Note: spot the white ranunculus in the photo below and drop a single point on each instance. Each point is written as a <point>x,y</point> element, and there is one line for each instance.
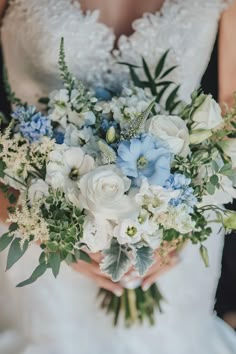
<point>208,115</point>
<point>128,231</point>
<point>224,195</point>
<point>65,167</point>
<point>97,234</point>
<point>102,192</point>
<point>37,190</point>
<point>173,130</point>
<point>229,147</point>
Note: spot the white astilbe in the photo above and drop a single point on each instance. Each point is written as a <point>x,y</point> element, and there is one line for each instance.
<point>39,153</point>
<point>30,222</point>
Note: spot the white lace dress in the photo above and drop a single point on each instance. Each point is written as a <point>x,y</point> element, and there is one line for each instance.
<point>61,316</point>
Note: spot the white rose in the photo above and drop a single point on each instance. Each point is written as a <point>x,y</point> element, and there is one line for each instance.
<point>102,192</point>
<point>37,190</point>
<point>65,167</point>
<point>229,147</point>
<point>97,234</point>
<point>206,117</point>
<point>128,231</point>
<point>151,233</point>
<point>173,130</point>
<point>224,195</point>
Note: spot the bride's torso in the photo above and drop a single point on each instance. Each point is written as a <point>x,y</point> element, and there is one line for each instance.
<point>31,34</point>
<point>32,30</point>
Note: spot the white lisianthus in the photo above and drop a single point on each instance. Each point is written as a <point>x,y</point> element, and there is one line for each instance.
<point>224,195</point>
<point>128,231</point>
<point>206,118</point>
<point>229,147</point>
<point>65,167</point>
<point>154,198</point>
<point>102,192</point>
<point>97,233</point>
<point>173,130</point>
<point>151,233</point>
<point>77,137</point>
<point>82,118</point>
<point>37,190</point>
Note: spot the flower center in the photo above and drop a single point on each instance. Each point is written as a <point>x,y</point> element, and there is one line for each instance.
<point>156,202</point>
<point>142,162</point>
<point>74,174</point>
<point>131,231</point>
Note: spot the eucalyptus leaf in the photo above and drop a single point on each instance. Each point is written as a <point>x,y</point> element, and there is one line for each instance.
<point>144,258</point>
<point>5,240</point>
<point>54,260</point>
<point>16,251</point>
<point>38,272</point>
<point>116,261</point>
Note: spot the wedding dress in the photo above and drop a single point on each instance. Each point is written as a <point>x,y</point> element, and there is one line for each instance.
<point>62,316</point>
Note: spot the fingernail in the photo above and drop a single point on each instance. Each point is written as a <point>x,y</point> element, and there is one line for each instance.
<point>145,287</point>
<point>118,292</point>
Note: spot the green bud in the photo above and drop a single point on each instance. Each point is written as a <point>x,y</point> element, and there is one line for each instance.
<point>111,135</point>
<point>204,255</point>
<point>230,221</point>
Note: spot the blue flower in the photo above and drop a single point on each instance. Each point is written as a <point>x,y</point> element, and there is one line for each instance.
<point>103,94</point>
<point>59,137</point>
<point>145,157</point>
<point>32,125</point>
<point>180,182</point>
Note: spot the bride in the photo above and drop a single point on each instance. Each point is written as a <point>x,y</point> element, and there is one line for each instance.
<point>61,316</point>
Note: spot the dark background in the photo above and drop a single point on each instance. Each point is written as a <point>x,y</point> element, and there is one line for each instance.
<point>226,292</point>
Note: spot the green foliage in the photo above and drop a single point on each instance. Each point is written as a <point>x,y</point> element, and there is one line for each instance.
<point>11,96</point>
<point>143,259</point>
<point>116,261</point>
<point>5,240</point>
<point>37,273</point>
<point>67,78</point>
<point>155,83</point>
<point>204,255</point>
<point>16,251</point>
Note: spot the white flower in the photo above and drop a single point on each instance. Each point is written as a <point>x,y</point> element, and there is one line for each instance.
<point>173,130</point>
<point>154,198</point>
<point>103,193</point>
<point>82,118</point>
<point>229,147</point>
<point>224,195</point>
<point>127,231</point>
<point>77,137</point>
<point>97,234</point>
<point>37,190</point>
<point>205,118</point>
<point>151,233</point>
<point>66,165</point>
<point>179,219</point>
<point>59,101</point>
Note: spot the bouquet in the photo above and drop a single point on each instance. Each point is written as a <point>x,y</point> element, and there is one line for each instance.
<point>126,173</point>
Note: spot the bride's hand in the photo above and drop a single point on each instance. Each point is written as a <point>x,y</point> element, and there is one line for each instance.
<point>159,267</point>
<point>92,271</point>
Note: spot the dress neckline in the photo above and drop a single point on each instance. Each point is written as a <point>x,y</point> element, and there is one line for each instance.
<point>116,40</point>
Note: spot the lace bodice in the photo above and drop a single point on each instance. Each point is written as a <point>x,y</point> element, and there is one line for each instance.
<point>32,30</point>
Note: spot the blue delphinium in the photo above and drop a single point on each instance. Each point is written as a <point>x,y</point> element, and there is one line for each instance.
<point>180,182</point>
<point>142,157</point>
<point>32,124</point>
<point>103,94</point>
<point>58,136</point>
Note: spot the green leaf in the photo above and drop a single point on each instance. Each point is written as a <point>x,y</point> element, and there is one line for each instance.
<point>54,260</point>
<point>83,256</point>
<point>168,71</point>
<point>52,245</point>
<point>116,261</point>
<point>204,255</point>
<point>13,227</point>
<point>12,198</point>
<point>210,188</point>
<point>2,168</point>
<point>144,258</point>
<point>161,64</point>
<point>129,65</point>
<point>215,166</point>
<point>38,272</point>
<point>171,99</point>
<point>16,251</point>
<point>214,180</point>
<point>149,77</point>
<point>5,240</point>
<point>137,82</point>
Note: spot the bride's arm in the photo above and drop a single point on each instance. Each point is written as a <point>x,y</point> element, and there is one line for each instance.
<point>3,4</point>
<point>227,55</point>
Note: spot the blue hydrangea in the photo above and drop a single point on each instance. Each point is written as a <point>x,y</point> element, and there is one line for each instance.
<point>32,125</point>
<point>180,182</point>
<point>106,124</point>
<point>103,94</point>
<point>142,157</point>
<point>59,137</point>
